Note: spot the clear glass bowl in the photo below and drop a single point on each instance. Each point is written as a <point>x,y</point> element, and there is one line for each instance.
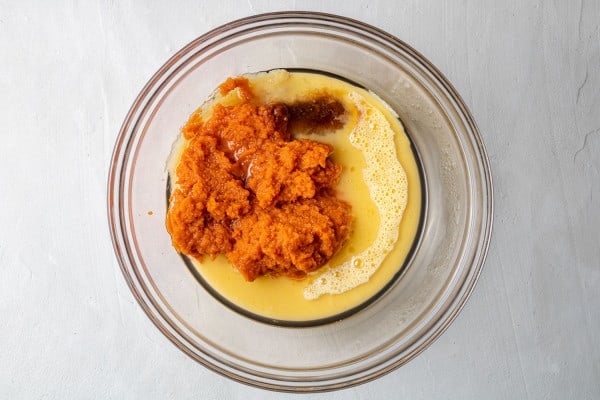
<point>438,278</point>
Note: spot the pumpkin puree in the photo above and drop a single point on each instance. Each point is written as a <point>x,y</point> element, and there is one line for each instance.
<point>247,189</point>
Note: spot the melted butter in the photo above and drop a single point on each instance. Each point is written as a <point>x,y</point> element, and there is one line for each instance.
<point>386,206</point>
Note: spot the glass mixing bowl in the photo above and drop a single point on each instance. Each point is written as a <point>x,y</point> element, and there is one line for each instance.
<point>436,280</point>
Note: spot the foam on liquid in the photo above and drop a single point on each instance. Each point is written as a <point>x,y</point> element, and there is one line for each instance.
<point>374,137</point>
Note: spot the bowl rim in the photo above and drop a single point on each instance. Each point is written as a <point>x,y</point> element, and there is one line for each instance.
<point>121,154</point>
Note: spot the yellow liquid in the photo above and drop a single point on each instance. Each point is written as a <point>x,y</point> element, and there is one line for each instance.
<point>283,298</point>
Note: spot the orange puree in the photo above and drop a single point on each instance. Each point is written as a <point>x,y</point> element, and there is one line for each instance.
<point>239,82</point>
<point>245,188</point>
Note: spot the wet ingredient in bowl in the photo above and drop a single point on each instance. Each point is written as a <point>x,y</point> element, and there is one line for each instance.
<point>247,189</point>
<point>368,142</point>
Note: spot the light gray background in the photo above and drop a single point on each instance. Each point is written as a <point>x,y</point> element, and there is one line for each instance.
<point>530,73</point>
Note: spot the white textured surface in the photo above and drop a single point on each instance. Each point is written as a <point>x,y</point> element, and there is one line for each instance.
<point>530,73</point>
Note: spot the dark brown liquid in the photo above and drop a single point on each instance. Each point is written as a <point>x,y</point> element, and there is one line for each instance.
<point>318,115</point>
